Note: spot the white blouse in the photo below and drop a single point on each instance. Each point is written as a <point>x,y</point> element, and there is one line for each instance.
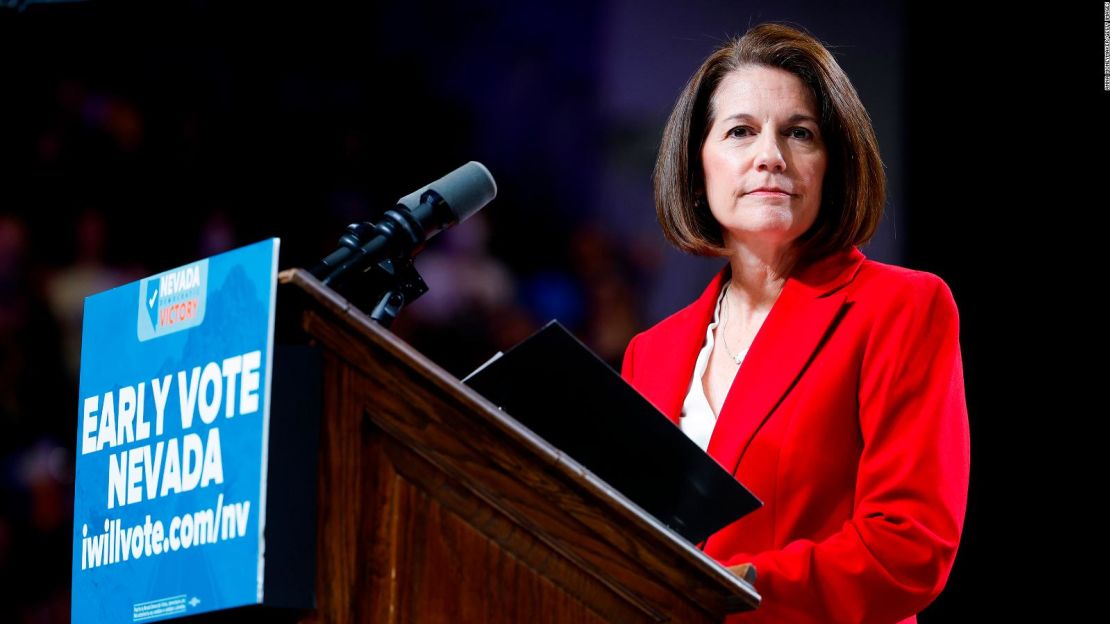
<point>698,418</point>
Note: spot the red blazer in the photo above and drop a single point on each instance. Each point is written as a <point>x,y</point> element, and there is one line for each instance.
<point>848,420</point>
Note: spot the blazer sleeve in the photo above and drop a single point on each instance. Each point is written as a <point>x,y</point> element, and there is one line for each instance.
<point>894,555</point>
<point>626,365</point>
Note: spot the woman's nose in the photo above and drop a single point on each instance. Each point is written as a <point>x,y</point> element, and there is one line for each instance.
<point>768,153</point>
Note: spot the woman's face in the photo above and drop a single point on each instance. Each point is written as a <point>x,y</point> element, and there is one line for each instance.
<point>765,134</point>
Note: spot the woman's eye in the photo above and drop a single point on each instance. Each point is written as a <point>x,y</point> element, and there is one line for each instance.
<point>796,133</point>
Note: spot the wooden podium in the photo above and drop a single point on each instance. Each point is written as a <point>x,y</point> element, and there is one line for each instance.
<point>435,506</point>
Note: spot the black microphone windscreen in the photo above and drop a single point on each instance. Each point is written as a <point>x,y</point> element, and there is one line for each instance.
<point>466,190</point>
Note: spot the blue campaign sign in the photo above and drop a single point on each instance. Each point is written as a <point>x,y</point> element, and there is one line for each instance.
<point>173,421</point>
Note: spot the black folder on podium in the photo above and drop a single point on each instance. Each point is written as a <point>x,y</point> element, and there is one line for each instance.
<point>558,388</point>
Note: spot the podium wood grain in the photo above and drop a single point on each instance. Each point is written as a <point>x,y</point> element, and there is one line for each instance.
<point>434,506</point>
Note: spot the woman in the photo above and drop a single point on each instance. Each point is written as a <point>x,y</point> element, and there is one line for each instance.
<point>829,384</point>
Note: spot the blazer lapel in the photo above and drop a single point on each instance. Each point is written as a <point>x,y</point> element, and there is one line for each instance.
<point>671,379</point>
<point>805,312</point>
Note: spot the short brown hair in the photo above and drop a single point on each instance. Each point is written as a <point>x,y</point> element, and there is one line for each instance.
<point>854,187</point>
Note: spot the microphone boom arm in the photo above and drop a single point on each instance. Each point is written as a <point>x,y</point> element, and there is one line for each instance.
<point>373,265</point>
<point>382,252</point>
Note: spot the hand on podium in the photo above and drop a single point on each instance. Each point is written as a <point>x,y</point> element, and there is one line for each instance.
<point>745,571</point>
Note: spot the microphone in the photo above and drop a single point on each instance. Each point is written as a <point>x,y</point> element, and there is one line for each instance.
<point>403,231</point>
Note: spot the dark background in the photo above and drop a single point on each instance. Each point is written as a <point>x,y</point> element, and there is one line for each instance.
<point>137,138</point>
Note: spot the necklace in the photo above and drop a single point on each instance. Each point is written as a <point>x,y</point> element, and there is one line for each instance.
<point>740,356</point>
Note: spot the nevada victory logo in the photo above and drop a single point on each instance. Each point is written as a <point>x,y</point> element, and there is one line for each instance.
<point>173,301</point>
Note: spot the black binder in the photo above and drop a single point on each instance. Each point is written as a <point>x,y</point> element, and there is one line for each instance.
<point>558,388</point>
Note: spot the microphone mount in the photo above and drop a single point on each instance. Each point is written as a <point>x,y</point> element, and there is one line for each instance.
<point>373,265</point>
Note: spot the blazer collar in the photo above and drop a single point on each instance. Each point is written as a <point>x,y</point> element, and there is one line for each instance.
<point>805,312</point>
